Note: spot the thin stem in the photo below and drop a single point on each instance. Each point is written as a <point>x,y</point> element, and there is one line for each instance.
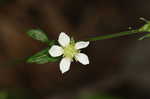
<point>113,35</point>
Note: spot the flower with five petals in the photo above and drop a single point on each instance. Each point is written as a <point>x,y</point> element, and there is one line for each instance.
<point>69,50</point>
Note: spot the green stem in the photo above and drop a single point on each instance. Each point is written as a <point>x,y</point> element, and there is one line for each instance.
<point>113,35</point>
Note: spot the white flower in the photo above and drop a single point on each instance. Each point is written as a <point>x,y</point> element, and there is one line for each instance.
<point>70,50</point>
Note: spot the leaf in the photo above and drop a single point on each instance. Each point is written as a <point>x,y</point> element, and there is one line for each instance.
<point>38,35</point>
<point>144,37</point>
<point>42,57</point>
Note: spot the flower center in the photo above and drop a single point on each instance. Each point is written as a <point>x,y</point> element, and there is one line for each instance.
<point>70,51</point>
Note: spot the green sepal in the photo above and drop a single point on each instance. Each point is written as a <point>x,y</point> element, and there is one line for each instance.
<point>42,57</point>
<point>144,37</point>
<point>145,27</point>
<point>52,42</point>
<point>38,35</point>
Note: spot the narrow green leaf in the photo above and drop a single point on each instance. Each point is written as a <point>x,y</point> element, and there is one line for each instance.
<point>42,57</point>
<point>38,35</point>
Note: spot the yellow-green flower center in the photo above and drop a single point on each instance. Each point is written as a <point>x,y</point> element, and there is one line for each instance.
<point>70,51</point>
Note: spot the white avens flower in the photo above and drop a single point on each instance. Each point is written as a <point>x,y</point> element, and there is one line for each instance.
<point>70,50</point>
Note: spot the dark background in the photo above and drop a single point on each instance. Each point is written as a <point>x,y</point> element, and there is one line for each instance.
<point>118,68</point>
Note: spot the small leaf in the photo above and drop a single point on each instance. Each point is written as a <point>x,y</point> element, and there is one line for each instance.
<point>42,57</point>
<point>144,37</point>
<point>38,35</point>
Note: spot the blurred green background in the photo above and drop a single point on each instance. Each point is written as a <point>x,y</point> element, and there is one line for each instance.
<point>119,68</point>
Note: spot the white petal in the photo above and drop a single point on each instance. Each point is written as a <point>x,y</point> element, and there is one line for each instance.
<point>63,39</point>
<point>82,58</point>
<point>56,51</point>
<point>65,65</point>
<point>81,44</point>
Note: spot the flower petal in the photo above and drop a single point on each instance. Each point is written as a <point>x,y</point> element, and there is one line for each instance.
<point>63,39</point>
<point>56,51</point>
<point>65,65</point>
<point>82,58</point>
<point>81,44</point>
